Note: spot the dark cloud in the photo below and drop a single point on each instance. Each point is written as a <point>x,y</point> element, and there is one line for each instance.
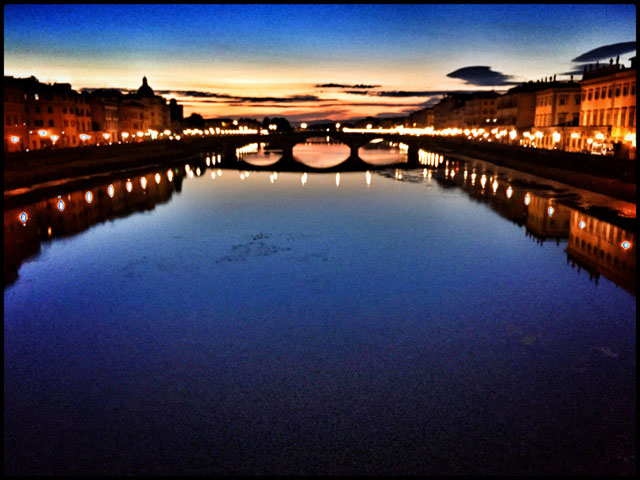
<point>339,85</point>
<point>289,99</point>
<point>482,76</point>
<point>606,52</point>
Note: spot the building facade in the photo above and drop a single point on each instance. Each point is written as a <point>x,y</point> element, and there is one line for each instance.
<point>39,115</point>
<point>608,109</point>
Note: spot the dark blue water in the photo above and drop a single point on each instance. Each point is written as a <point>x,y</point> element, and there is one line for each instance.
<point>394,321</point>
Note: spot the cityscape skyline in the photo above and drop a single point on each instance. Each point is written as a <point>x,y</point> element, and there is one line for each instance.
<point>311,62</point>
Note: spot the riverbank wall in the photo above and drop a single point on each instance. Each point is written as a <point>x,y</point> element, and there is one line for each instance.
<point>25,169</point>
<point>610,176</point>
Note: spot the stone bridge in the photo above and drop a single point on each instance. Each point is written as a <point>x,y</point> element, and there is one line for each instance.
<point>228,144</point>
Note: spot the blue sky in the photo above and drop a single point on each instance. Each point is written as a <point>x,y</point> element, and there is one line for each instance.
<point>266,60</point>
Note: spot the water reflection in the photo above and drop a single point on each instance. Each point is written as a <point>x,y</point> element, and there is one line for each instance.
<point>600,246</point>
<point>26,227</point>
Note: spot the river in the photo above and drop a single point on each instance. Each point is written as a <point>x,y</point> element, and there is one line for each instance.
<point>457,318</point>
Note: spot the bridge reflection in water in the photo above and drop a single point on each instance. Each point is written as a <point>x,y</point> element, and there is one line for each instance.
<point>601,243</point>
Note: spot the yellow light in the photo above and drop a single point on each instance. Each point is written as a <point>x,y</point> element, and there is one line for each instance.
<point>110,191</point>
<point>589,141</point>
<point>84,137</point>
<point>304,178</point>
<point>129,186</point>
<point>61,205</point>
<point>140,134</point>
<point>42,133</point>
<point>494,185</point>
<point>527,199</point>
<point>582,224</point>
<point>157,177</point>
<point>15,139</point>
<point>513,134</point>
<point>509,191</point>
<point>626,245</point>
<point>483,180</point>
<point>337,179</point>
<point>170,175</point>
<point>106,136</point>
<point>550,211</point>
<point>556,137</point>
<point>599,136</point>
<point>369,126</point>
<point>303,125</point>
<point>23,217</point>
<point>539,135</point>
<point>575,135</point>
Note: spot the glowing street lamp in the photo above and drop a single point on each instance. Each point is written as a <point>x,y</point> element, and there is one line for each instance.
<point>106,136</point>
<point>15,139</point>
<point>125,135</point>
<point>42,133</point>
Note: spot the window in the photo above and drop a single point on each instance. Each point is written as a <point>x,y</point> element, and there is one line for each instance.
<point>38,123</point>
<point>632,116</point>
<point>596,95</point>
<point>584,95</point>
<point>577,99</point>
<point>562,100</point>
<point>616,118</point>
<point>623,116</point>
<point>51,123</point>
<point>625,89</point>
<point>64,109</point>
<point>633,89</point>
<point>590,94</point>
<point>608,118</point>
<point>601,117</point>
<point>49,110</point>
<point>37,109</point>
<point>610,94</point>
<point>617,90</point>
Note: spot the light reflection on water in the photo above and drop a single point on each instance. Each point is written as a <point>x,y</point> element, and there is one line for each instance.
<point>386,321</point>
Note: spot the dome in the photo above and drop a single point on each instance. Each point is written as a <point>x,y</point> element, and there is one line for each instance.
<point>145,90</point>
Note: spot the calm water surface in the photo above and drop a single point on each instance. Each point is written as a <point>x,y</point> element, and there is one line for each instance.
<point>457,318</point>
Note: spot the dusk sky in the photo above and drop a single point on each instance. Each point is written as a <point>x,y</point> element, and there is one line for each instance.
<point>309,62</point>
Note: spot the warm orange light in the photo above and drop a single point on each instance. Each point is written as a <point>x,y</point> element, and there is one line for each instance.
<point>626,245</point>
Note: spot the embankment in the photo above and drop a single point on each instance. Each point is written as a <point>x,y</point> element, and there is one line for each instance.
<point>610,176</point>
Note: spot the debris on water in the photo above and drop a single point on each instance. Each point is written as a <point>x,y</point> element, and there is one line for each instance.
<point>607,351</point>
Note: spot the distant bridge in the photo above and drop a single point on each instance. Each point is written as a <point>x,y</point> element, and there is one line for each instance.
<point>228,144</point>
